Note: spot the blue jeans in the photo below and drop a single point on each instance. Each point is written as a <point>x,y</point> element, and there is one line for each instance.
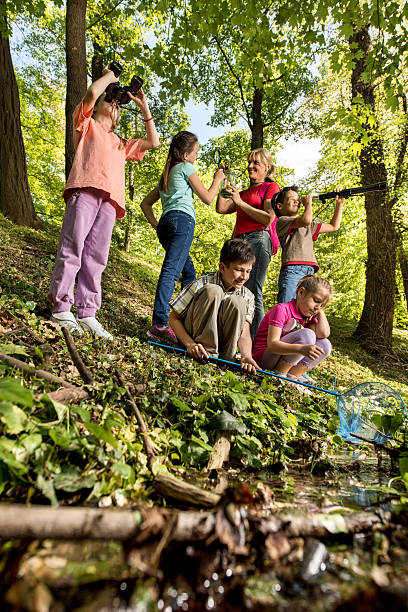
<point>261,244</point>
<point>289,277</point>
<point>175,233</point>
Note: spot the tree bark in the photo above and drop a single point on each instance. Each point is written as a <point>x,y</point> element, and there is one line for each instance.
<point>75,53</point>
<point>257,123</point>
<point>15,197</point>
<point>97,62</point>
<point>403,262</point>
<point>374,330</point>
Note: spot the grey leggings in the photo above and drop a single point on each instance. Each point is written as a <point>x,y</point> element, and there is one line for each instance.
<point>299,336</point>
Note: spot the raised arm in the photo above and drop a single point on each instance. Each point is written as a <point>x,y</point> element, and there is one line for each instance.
<point>97,88</point>
<point>334,224</point>
<point>307,217</point>
<point>147,207</point>
<point>151,140</point>
<point>206,195</point>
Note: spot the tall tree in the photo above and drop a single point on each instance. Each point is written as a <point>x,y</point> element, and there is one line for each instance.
<point>374,329</point>
<point>15,197</point>
<point>75,50</point>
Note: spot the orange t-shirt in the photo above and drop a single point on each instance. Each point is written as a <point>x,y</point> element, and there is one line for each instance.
<point>100,159</point>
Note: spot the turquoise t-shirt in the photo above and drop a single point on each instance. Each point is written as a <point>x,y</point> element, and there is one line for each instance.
<point>179,194</point>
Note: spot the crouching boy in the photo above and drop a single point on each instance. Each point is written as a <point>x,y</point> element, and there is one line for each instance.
<point>212,315</point>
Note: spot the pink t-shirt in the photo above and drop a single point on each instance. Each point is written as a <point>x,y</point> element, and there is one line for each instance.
<point>287,317</point>
<point>100,159</point>
<point>252,197</point>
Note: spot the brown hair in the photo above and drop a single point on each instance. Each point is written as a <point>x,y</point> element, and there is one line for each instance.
<point>236,249</point>
<point>264,156</point>
<point>182,143</point>
<point>311,283</point>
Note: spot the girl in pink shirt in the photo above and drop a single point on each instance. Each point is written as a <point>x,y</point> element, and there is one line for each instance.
<point>95,197</point>
<point>293,336</point>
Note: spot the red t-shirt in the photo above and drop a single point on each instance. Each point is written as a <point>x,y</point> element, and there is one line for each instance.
<point>252,197</point>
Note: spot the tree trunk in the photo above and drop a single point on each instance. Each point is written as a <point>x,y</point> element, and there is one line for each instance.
<point>257,123</point>
<point>15,197</point>
<point>403,262</point>
<point>75,53</point>
<point>374,330</point>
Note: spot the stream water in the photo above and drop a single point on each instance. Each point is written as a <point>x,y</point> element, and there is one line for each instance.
<point>344,573</point>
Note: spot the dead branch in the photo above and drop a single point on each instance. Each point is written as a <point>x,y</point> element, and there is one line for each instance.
<point>67,395</point>
<point>33,372</point>
<point>76,358</point>
<point>150,451</point>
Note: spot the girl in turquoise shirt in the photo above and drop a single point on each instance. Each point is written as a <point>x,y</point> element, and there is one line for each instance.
<point>175,229</point>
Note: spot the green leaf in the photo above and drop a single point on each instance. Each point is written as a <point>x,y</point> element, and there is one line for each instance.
<point>61,437</point>
<point>47,488</point>
<point>12,391</point>
<point>13,417</point>
<point>31,442</point>
<point>201,443</point>
<point>72,480</point>
<point>226,422</point>
<point>124,470</point>
<point>13,349</point>
<point>102,434</point>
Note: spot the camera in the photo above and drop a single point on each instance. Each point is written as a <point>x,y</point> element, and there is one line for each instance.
<point>115,91</point>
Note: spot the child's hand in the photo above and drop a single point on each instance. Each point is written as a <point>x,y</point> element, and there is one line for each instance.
<point>197,351</point>
<point>312,351</point>
<point>107,70</point>
<point>219,175</point>
<point>339,200</point>
<point>307,200</point>
<point>249,365</point>
<point>139,98</point>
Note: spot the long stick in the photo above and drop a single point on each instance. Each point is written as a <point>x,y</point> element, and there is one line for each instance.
<point>236,365</point>
<point>76,358</point>
<point>141,422</point>
<point>32,372</point>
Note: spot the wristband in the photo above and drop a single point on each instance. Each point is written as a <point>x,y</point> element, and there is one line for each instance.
<point>149,119</point>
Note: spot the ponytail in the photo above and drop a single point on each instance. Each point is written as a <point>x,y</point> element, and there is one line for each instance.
<point>182,143</point>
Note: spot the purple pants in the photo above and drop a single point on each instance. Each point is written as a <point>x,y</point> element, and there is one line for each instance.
<point>83,252</point>
<point>299,336</point>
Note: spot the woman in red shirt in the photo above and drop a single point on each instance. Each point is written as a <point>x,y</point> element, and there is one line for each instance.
<point>254,216</point>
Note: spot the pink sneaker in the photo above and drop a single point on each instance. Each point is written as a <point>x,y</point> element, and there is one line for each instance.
<point>162,333</point>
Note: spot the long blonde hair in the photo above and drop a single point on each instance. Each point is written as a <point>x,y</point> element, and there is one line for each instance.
<point>265,157</point>
<point>182,143</point>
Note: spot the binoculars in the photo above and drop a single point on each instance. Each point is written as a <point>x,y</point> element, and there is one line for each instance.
<point>115,91</point>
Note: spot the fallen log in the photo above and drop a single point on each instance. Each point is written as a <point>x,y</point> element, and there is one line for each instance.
<point>170,486</point>
<point>33,372</point>
<point>18,521</point>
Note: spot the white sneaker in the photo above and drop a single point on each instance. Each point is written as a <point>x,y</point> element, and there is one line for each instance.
<point>92,325</point>
<point>67,319</point>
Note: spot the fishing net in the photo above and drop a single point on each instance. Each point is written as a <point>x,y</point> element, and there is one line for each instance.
<point>371,410</point>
